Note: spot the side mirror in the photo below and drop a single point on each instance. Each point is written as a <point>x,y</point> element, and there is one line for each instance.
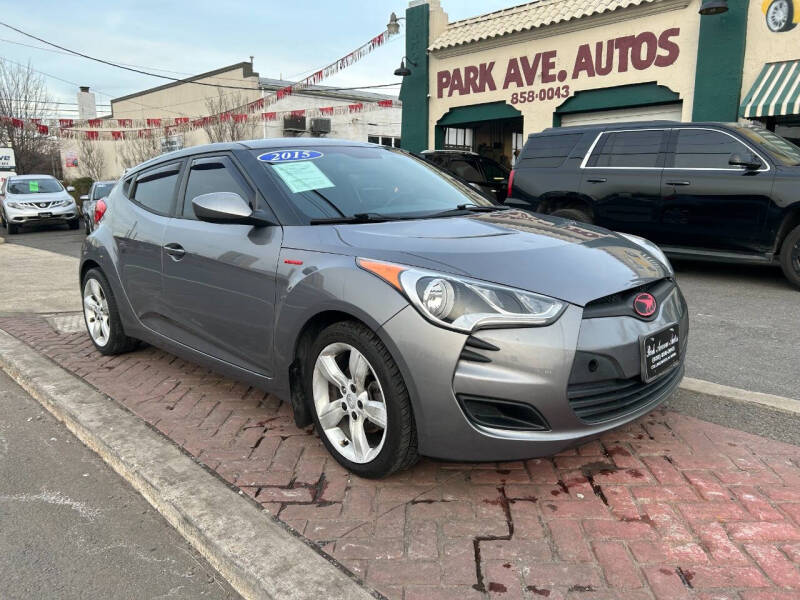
<point>226,207</point>
<point>749,161</point>
<point>70,188</point>
<point>84,198</point>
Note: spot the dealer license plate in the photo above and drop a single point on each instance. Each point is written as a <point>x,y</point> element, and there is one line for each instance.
<point>660,352</point>
<point>45,214</point>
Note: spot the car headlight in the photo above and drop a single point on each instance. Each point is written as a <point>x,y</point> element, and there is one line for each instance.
<point>466,304</point>
<point>13,205</point>
<point>63,202</point>
<point>651,248</point>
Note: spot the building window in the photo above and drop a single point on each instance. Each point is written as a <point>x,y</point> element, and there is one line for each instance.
<point>457,139</point>
<point>384,140</point>
<point>517,143</point>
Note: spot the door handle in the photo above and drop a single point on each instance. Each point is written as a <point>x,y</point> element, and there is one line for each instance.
<point>679,183</point>
<point>175,251</point>
<point>597,180</point>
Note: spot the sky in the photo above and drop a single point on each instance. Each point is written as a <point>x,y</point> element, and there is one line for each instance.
<point>180,38</point>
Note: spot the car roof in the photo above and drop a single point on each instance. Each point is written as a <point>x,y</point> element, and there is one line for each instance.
<point>263,144</point>
<point>31,176</point>
<point>630,125</point>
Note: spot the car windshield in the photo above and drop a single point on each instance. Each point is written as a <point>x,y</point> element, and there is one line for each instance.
<point>101,190</point>
<point>34,186</point>
<point>782,150</point>
<point>343,181</point>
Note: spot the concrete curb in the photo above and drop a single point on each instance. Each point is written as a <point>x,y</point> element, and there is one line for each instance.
<point>733,394</point>
<point>258,556</point>
<point>773,417</point>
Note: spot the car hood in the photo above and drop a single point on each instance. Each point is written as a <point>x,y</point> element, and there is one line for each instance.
<point>556,257</point>
<point>49,197</point>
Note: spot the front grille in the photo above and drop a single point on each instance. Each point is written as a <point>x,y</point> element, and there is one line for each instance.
<point>611,399</point>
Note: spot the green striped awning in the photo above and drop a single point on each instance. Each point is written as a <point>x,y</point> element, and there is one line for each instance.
<point>776,91</point>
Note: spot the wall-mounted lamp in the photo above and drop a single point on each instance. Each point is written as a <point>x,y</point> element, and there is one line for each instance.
<point>713,7</point>
<point>403,70</point>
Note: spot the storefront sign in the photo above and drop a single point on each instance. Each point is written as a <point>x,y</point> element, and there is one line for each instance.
<point>618,55</point>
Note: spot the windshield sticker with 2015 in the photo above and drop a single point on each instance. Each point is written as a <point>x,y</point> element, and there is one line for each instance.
<point>289,155</point>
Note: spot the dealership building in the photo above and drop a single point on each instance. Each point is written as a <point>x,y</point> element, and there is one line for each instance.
<point>485,83</point>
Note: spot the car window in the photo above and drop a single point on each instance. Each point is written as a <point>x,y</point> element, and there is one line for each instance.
<point>706,149</point>
<point>466,169</point>
<point>631,149</point>
<point>101,190</point>
<point>336,181</point>
<point>214,174</point>
<point>548,151</point>
<point>493,171</point>
<point>155,190</point>
<point>780,148</point>
<point>45,185</point>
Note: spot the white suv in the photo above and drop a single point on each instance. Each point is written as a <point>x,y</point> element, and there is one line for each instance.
<point>27,199</point>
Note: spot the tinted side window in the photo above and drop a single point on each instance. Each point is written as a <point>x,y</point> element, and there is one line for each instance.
<point>706,149</point>
<point>155,189</point>
<point>493,171</point>
<point>549,151</point>
<point>208,175</point>
<point>466,169</point>
<point>628,149</point>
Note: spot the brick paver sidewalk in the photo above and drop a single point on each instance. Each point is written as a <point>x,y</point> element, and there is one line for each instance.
<point>668,507</point>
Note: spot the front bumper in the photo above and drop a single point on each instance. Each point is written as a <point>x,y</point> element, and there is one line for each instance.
<point>25,216</point>
<point>545,368</point>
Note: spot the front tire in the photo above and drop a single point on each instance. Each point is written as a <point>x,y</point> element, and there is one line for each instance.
<point>780,16</point>
<point>790,257</point>
<point>359,401</point>
<point>101,316</point>
<point>11,228</point>
<point>74,223</point>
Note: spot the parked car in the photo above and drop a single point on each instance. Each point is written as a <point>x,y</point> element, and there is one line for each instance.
<point>29,199</point>
<point>99,189</point>
<point>712,191</point>
<point>484,174</point>
<point>781,15</point>
<point>395,308</point>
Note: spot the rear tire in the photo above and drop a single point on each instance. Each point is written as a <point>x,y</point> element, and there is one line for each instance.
<point>86,226</point>
<point>101,315</point>
<point>573,214</point>
<point>790,257</point>
<point>380,450</point>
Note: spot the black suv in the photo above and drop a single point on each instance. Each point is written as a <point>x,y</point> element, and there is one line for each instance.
<point>718,191</point>
<point>482,173</point>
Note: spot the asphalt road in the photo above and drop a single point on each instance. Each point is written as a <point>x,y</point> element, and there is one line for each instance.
<point>745,320</point>
<point>71,528</point>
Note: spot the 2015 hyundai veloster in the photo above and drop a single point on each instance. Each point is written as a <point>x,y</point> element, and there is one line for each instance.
<point>394,307</point>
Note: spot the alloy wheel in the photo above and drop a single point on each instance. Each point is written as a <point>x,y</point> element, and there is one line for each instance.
<point>95,310</point>
<point>778,14</point>
<point>349,402</point>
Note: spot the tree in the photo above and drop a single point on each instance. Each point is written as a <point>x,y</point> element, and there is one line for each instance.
<point>229,129</point>
<point>91,159</point>
<point>23,95</point>
<point>135,150</point>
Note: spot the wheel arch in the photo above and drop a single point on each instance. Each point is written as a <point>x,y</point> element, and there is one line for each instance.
<point>553,201</point>
<point>790,221</point>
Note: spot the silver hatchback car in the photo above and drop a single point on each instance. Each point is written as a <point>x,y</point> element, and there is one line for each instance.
<point>394,307</point>
<point>31,199</point>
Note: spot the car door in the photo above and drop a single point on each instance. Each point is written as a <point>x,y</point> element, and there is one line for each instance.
<point>139,227</point>
<point>621,173</point>
<point>708,203</point>
<point>219,279</point>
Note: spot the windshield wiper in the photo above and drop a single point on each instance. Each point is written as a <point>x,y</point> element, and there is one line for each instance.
<point>356,218</point>
<point>466,208</point>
